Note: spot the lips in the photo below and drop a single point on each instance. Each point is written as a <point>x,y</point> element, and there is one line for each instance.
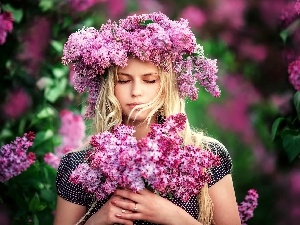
<point>134,104</point>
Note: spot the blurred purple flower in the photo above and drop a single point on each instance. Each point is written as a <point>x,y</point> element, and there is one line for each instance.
<point>297,6</point>
<point>282,101</point>
<point>247,207</point>
<point>194,15</point>
<point>13,158</point>
<point>83,5</point>
<point>148,6</point>
<point>294,74</point>
<point>16,104</point>
<point>115,8</point>
<point>35,41</point>
<point>288,15</point>
<point>255,52</point>
<point>52,160</point>
<point>230,12</point>
<point>6,25</point>
<point>72,130</point>
<point>270,17</point>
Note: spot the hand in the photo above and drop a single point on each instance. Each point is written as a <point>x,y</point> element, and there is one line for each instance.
<point>147,206</point>
<point>106,215</point>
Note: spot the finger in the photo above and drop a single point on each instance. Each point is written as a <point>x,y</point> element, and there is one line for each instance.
<point>130,217</point>
<point>131,207</point>
<point>135,197</point>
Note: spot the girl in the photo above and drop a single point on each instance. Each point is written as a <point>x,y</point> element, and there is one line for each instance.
<point>137,72</point>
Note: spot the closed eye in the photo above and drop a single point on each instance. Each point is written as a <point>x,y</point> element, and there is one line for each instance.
<point>123,81</point>
<point>150,81</point>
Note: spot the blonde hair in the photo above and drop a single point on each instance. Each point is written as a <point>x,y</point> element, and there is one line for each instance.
<point>109,114</point>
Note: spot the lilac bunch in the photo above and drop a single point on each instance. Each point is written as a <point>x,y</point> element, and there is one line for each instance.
<point>13,158</point>
<point>109,164</point>
<point>247,207</point>
<point>159,161</point>
<point>149,37</point>
<point>169,166</point>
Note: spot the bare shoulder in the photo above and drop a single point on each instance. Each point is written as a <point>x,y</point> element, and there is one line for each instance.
<point>68,213</point>
<point>225,206</point>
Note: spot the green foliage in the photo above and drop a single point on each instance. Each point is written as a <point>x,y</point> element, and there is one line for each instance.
<point>286,130</point>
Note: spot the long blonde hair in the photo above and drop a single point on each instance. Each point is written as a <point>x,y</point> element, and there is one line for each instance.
<point>109,114</point>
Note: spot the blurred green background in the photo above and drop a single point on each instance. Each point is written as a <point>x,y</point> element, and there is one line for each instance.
<point>256,117</point>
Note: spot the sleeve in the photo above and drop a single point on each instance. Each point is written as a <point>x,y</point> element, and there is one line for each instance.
<point>65,189</point>
<point>225,167</point>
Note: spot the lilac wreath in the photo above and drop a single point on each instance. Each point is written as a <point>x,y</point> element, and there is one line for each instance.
<point>149,37</point>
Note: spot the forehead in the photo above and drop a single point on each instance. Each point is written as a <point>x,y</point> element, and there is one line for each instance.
<point>137,66</point>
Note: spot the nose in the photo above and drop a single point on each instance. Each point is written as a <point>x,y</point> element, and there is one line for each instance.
<point>136,89</point>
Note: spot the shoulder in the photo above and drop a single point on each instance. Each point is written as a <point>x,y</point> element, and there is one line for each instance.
<point>72,159</point>
<point>225,167</point>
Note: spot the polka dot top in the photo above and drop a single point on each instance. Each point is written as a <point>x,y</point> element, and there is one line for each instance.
<point>75,194</point>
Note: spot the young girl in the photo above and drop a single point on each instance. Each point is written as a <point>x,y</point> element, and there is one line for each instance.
<point>138,72</point>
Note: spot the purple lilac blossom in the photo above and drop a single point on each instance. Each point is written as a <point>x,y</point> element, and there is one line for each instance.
<point>247,207</point>
<point>288,15</point>
<point>294,74</point>
<point>160,160</point>
<point>149,37</point>
<point>13,158</point>
<point>6,25</point>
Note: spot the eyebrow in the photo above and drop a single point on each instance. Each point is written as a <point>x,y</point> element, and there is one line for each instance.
<point>144,75</point>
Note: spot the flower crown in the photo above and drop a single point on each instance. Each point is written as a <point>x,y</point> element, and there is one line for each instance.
<point>149,37</point>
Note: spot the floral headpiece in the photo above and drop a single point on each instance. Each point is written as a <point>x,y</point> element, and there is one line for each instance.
<point>149,37</point>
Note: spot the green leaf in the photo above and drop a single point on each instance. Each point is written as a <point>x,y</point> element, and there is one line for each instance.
<point>146,22</point>
<point>34,202</point>
<point>57,46</point>
<point>46,5</point>
<point>275,127</point>
<point>297,102</point>
<point>45,113</point>
<point>42,136</point>
<point>17,13</point>
<point>60,72</point>
<point>291,143</point>
<point>57,90</point>
<point>35,220</point>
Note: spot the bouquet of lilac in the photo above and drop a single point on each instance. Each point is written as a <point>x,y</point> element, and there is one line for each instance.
<point>159,161</point>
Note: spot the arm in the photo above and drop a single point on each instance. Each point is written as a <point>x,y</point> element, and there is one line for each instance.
<point>68,213</point>
<point>224,200</point>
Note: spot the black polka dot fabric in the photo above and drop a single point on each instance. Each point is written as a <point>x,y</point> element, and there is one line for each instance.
<point>75,193</point>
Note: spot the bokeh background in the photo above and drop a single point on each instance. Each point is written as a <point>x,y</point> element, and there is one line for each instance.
<point>257,44</point>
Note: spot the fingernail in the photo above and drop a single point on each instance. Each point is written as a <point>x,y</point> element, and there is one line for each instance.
<point>118,215</point>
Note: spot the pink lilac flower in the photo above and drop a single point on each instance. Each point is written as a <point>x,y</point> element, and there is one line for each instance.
<point>194,15</point>
<point>294,74</point>
<point>246,208</point>
<point>52,160</point>
<point>16,104</point>
<point>150,37</point>
<point>13,157</point>
<point>34,46</point>
<point>72,131</point>
<point>270,17</point>
<point>6,25</point>
<point>160,161</point>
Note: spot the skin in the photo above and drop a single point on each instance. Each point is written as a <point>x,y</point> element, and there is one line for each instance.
<point>138,83</point>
